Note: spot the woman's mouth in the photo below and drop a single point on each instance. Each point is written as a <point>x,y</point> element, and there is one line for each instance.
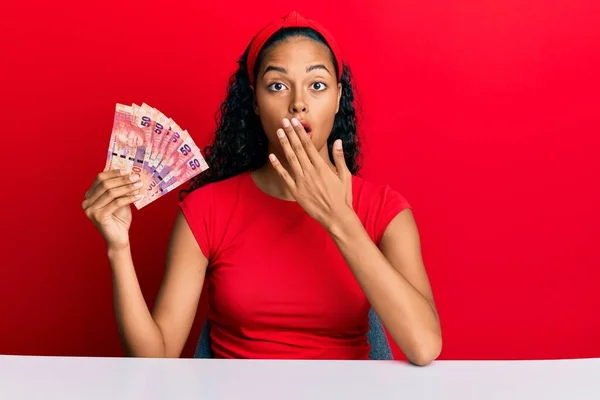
<point>306,126</point>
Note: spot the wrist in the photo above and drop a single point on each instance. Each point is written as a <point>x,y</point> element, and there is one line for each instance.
<point>341,223</point>
<point>118,252</point>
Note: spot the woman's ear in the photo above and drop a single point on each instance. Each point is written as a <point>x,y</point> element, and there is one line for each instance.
<point>254,103</point>
<point>339,86</point>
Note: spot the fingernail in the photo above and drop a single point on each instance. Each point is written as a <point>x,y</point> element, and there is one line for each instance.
<point>272,157</point>
<point>134,177</point>
<point>295,122</point>
<point>338,144</point>
<point>137,185</point>
<point>123,172</point>
<point>139,197</point>
<point>280,133</point>
<point>286,122</point>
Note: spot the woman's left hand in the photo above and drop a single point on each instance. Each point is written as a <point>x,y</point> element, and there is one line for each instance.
<point>324,194</point>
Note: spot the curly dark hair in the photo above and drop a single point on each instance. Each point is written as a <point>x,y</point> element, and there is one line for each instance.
<point>240,143</point>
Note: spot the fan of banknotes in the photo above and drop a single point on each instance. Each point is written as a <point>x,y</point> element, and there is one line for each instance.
<point>147,143</point>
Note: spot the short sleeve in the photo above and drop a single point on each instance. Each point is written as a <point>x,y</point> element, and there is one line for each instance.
<point>198,209</point>
<point>389,204</point>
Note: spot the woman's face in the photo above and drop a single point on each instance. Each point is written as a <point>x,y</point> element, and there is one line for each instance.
<point>296,79</point>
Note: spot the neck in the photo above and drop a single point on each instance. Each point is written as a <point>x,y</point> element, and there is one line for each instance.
<point>269,181</point>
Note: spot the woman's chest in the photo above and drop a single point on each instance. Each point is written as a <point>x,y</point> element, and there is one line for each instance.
<point>284,273</point>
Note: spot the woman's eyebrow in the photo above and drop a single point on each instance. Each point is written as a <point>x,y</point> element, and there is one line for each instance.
<point>284,71</point>
<point>317,66</point>
<point>274,68</point>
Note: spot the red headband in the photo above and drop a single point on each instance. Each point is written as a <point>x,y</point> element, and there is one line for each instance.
<point>292,20</point>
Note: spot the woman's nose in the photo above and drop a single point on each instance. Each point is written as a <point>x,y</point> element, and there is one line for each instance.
<point>297,109</point>
<point>298,106</point>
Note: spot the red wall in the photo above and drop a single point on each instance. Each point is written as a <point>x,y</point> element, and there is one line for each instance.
<point>486,117</point>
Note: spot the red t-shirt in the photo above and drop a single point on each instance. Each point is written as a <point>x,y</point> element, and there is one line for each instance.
<point>278,287</point>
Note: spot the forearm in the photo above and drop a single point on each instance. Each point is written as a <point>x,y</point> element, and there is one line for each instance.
<point>140,335</point>
<point>408,316</point>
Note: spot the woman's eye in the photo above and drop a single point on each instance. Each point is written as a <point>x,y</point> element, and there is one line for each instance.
<point>319,86</point>
<point>276,86</point>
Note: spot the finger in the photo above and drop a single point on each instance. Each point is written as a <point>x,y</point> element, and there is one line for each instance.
<point>292,131</point>
<point>113,189</point>
<point>115,193</point>
<point>282,172</point>
<point>109,183</point>
<point>340,160</point>
<point>307,144</point>
<point>114,205</point>
<point>290,154</point>
<point>105,175</point>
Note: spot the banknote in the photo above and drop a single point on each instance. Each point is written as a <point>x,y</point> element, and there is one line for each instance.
<point>187,160</point>
<point>143,121</point>
<point>180,147</point>
<point>172,129</point>
<point>168,159</point>
<point>146,142</point>
<point>185,168</point>
<point>160,128</point>
<point>126,141</point>
<point>161,151</point>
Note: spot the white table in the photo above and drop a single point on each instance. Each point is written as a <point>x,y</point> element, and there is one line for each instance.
<point>23,377</point>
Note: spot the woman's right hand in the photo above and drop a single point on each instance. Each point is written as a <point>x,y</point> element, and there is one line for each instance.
<point>107,204</point>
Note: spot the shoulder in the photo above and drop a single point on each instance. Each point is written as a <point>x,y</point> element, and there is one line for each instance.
<point>208,204</point>
<point>206,211</point>
<point>213,192</point>
<point>367,193</point>
<point>376,205</point>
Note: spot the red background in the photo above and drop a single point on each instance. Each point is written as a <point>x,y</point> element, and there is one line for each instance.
<point>485,115</point>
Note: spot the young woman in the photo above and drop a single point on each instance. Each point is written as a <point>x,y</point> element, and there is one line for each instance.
<point>296,248</point>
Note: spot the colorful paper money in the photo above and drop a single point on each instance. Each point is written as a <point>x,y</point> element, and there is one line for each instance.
<point>146,142</point>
